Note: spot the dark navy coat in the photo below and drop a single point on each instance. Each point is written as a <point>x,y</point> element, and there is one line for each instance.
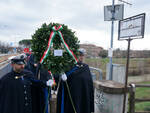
<point>21,93</point>
<point>81,88</point>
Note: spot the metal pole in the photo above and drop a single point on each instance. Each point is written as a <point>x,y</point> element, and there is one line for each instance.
<point>111,44</point>
<point>126,79</point>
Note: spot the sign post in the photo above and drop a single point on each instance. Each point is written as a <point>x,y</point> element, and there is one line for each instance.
<point>129,29</point>
<point>112,13</point>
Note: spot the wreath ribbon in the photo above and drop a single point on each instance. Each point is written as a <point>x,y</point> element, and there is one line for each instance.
<point>57,30</point>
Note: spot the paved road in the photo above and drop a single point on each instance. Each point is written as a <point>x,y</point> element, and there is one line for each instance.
<point>5,69</point>
<point>3,54</point>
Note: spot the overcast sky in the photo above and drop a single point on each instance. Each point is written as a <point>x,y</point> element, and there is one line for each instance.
<point>20,18</point>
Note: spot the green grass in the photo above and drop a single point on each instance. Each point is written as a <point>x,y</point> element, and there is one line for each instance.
<point>137,66</point>
<point>143,106</point>
<point>142,93</point>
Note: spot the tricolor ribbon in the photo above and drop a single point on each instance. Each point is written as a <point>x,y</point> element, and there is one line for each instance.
<point>50,41</point>
<point>52,77</point>
<point>52,35</point>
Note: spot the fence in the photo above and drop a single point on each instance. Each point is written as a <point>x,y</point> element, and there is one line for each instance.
<point>134,100</point>
<point>96,73</point>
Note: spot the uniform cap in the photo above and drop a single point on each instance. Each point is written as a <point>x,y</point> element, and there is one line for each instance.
<point>82,51</point>
<point>18,59</point>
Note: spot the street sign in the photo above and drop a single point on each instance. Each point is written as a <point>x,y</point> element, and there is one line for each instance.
<point>118,12</point>
<point>132,27</point>
<point>129,29</point>
<point>110,52</point>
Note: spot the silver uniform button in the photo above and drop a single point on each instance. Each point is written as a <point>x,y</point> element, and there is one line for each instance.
<point>24,86</point>
<point>26,98</point>
<point>26,104</point>
<point>25,92</point>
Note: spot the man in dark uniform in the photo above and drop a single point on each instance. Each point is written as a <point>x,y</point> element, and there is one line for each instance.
<point>20,92</point>
<point>31,64</point>
<point>81,90</point>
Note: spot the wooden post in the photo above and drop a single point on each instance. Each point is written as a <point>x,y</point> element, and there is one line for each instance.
<point>126,78</point>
